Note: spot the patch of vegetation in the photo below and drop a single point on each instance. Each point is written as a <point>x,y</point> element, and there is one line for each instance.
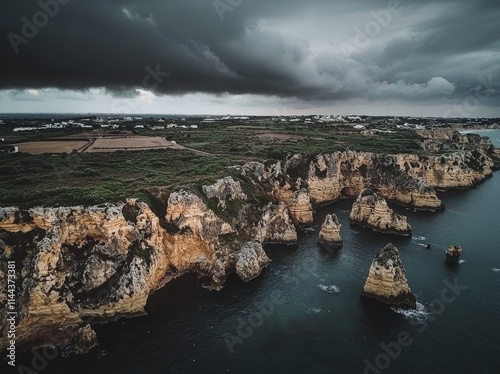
<point>96,178</point>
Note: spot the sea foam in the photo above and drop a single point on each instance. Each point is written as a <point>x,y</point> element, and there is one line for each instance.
<point>419,314</point>
<point>329,289</point>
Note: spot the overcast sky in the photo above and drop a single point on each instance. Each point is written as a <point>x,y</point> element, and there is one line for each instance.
<point>277,57</point>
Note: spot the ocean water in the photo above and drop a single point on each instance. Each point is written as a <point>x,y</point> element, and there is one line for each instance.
<point>307,315</point>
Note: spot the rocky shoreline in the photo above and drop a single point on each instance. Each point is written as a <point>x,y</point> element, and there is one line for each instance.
<point>80,265</point>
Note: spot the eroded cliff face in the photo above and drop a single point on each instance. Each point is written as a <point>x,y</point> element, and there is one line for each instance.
<point>301,209</point>
<point>406,178</point>
<point>447,139</point>
<point>371,211</point>
<point>81,265</point>
<point>250,261</point>
<point>276,226</point>
<point>455,170</point>
<point>67,260</point>
<point>386,279</point>
<point>329,235</point>
<point>329,177</point>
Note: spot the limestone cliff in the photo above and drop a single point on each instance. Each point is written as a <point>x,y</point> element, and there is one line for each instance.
<point>301,209</point>
<point>386,279</point>
<point>68,261</point>
<point>250,261</point>
<point>81,265</point>
<point>276,226</point>
<point>329,235</point>
<point>455,170</point>
<point>329,177</point>
<point>371,211</point>
<point>405,178</point>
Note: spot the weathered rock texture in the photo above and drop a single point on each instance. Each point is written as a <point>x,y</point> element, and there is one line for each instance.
<point>453,253</point>
<point>81,265</point>
<point>301,209</point>
<point>386,280</point>
<point>408,179</point>
<point>276,226</point>
<point>329,235</point>
<point>371,211</point>
<point>250,261</point>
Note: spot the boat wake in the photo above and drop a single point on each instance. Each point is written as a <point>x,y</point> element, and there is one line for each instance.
<point>419,238</point>
<point>495,270</point>
<point>329,289</point>
<point>420,244</point>
<point>420,314</point>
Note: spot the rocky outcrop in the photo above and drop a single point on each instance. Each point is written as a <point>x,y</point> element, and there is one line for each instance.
<point>276,226</point>
<point>329,177</point>
<point>447,139</point>
<point>408,179</point>
<point>455,170</point>
<point>250,261</point>
<point>301,209</point>
<point>329,235</point>
<point>77,266</point>
<point>453,253</point>
<point>223,189</point>
<point>386,279</point>
<point>52,249</point>
<point>371,211</point>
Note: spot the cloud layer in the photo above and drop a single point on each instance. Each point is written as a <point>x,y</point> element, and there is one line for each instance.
<point>320,52</point>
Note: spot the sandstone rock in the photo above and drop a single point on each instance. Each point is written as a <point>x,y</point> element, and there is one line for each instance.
<point>301,209</point>
<point>223,189</point>
<point>85,340</point>
<point>453,253</point>
<point>329,235</point>
<point>329,177</point>
<point>250,261</point>
<point>371,211</point>
<point>276,226</point>
<point>406,178</point>
<point>386,279</point>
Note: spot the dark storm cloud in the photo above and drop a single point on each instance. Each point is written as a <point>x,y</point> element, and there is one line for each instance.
<point>427,51</point>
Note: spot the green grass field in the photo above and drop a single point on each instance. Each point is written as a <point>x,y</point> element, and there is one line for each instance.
<point>89,179</point>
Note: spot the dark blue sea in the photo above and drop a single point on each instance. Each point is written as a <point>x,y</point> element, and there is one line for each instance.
<point>305,314</point>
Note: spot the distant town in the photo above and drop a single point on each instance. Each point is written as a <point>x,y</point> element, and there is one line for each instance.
<point>82,132</point>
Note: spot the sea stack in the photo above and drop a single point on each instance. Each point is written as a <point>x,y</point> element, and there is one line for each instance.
<point>371,211</point>
<point>386,280</point>
<point>329,235</point>
<point>453,253</point>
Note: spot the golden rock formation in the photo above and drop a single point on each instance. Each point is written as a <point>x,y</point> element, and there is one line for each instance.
<point>386,279</point>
